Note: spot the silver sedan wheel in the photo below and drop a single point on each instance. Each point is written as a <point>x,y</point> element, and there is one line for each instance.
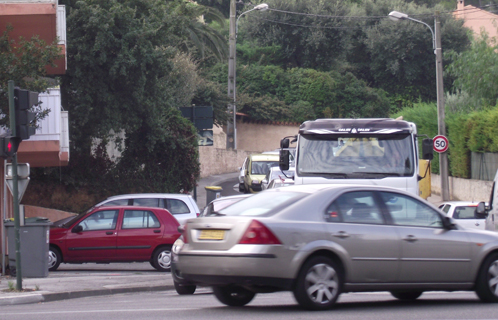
<point>487,280</point>
<point>318,284</point>
<point>493,278</point>
<point>322,283</point>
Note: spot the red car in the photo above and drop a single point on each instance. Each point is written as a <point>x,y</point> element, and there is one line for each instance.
<point>115,234</point>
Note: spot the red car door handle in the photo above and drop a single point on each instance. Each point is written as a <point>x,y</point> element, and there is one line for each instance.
<point>109,232</point>
<point>157,231</point>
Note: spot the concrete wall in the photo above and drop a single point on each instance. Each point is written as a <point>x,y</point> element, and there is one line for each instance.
<point>251,138</point>
<point>263,136</point>
<point>464,189</point>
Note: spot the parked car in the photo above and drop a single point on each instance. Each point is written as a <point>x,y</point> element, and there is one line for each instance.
<point>276,173</point>
<point>277,183</point>
<point>464,213</point>
<point>115,234</point>
<point>257,167</point>
<point>181,206</point>
<point>321,240</point>
<point>214,206</point>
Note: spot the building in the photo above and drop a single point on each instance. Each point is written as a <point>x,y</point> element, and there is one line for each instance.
<point>477,19</point>
<point>49,147</point>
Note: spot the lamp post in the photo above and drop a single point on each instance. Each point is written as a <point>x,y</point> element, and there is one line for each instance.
<point>436,45</point>
<point>232,109</point>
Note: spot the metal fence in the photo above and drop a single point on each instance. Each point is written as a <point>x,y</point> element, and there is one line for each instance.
<point>483,166</point>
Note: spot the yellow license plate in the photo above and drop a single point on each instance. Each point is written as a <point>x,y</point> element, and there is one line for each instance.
<point>212,235</point>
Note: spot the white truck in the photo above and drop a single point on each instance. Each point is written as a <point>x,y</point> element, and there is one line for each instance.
<point>377,151</point>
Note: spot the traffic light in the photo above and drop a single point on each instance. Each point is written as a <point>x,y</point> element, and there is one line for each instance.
<point>23,101</point>
<point>8,146</point>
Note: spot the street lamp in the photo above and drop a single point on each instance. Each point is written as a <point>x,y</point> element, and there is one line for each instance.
<point>232,109</point>
<point>436,45</point>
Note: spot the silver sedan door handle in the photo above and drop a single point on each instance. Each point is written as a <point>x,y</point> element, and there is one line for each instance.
<point>410,238</point>
<point>341,234</point>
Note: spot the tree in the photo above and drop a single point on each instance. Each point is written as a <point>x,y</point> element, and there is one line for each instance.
<point>131,66</point>
<point>476,71</point>
<point>24,62</point>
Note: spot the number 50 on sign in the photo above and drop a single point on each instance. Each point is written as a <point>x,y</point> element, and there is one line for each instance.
<point>440,144</point>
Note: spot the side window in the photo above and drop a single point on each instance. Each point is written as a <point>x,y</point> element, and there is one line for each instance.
<point>464,213</point>
<point>408,211</point>
<point>139,219</point>
<point>355,207</point>
<point>176,206</point>
<point>100,220</point>
<point>146,202</point>
<point>446,208</point>
<point>332,214</point>
<point>121,202</point>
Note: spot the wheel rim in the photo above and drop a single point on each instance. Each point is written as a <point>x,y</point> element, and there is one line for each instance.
<point>52,259</point>
<point>322,283</point>
<point>493,278</point>
<point>164,259</point>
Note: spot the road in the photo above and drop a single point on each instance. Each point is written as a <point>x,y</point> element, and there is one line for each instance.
<point>230,187</point>
<point>278,306</point>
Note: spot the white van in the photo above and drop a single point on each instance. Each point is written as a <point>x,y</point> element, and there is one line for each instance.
<point>490,211</point>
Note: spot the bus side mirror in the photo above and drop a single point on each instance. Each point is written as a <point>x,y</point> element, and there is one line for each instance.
<point>283,162</point>
<point>284,143</point>
<point>427,149</point>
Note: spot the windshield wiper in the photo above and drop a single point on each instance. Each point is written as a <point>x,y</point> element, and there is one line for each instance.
<point>327,174</point>
<point>385,174</point>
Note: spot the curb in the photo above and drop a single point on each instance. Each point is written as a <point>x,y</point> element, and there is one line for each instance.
<point>57,296</point>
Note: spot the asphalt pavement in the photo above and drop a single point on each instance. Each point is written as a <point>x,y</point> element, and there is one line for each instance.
<point>76,281</point>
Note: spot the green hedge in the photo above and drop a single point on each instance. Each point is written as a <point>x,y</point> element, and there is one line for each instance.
<point>473,132</point>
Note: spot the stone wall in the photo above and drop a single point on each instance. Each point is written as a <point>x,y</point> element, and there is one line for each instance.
<point>464,189</point>
<point>251,138</point>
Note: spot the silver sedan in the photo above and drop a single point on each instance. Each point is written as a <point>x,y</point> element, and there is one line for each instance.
<point>319,241</point>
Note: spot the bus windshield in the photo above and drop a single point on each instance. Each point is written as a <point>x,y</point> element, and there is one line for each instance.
<point>347,156</point>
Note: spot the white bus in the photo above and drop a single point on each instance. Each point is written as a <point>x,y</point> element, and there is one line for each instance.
<point>380,152</point>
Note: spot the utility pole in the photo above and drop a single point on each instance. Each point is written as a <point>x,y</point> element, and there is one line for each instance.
<point>443,156</point>
<point>232,108</point>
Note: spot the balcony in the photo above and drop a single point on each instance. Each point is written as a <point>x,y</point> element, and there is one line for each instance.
<point>49,147</point>
<point>44,18</point>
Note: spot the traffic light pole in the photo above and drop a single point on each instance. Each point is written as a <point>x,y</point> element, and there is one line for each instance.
<point>15,191</point>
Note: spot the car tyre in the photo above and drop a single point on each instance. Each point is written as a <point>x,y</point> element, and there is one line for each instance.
<point>233,296</point>
<point>406,295</point>
<point>241,187</point>
<point>487,280</point>
<point>184,289</point>
<point>161,258</point>
<point>318,284</point>
<point>54,258</point>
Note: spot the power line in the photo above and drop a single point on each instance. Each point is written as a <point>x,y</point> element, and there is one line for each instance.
<point>309,26</point>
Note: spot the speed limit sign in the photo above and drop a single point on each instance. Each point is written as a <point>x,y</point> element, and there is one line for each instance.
<point>440,144</point>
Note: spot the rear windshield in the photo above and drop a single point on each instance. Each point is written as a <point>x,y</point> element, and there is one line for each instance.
<point>263,204</point>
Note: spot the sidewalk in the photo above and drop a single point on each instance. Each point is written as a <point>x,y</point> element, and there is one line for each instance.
<point>76,281</point>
